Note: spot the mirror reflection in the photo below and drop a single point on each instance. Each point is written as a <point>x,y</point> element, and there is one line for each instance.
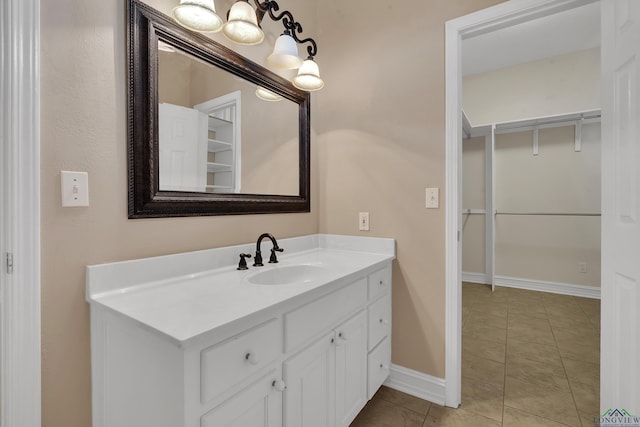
<point>219,133</point>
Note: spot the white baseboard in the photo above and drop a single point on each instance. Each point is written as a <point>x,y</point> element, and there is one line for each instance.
<point>416,384</point>
<point>475,278</point>
<point>552,287</point>
<point>535,285</point>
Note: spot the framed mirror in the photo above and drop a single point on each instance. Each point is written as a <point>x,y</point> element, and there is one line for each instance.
<point>209,131</point>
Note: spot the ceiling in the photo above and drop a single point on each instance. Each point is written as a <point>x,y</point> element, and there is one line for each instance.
<point>562,33</point>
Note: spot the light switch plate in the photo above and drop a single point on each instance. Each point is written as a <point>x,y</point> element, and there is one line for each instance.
<point>74,188</point>
<point>432,198</point>
<point>363,219</point>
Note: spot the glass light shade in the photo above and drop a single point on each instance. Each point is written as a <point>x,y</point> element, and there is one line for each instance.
<point>198,15</point>
<point>242,25</point>
<point>267,95</point>
<point>285,53</point>
<point>308,77</point>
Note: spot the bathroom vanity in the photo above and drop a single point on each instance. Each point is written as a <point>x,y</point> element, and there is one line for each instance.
<point>189,340</point>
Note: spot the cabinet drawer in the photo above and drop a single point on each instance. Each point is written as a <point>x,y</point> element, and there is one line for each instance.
<point>232,361</point>
<point>379,282</point>
<point>379,363</point>
<point>379,320</point>
<point>321,315</point>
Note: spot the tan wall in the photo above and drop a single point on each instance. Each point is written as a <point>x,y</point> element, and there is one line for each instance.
<point>381,141</point>
<point>83,127</point>
<point>558,85</point>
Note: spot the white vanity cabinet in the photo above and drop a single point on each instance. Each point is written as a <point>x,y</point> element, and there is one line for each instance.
<point>311,360</point>
<point>327,381</point>
<point>379,329</point>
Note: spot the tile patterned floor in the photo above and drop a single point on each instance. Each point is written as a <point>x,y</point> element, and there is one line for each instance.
<point>529,359</point>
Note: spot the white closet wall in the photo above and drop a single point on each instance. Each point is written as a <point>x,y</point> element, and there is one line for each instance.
<point>558,180</point>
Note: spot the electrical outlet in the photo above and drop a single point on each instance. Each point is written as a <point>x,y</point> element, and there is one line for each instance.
<point>363,221</point>
<point>582,267</point>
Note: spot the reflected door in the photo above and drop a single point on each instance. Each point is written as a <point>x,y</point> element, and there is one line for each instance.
<point>183,148</point>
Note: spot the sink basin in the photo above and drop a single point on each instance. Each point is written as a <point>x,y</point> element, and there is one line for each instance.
<point>288,275</point>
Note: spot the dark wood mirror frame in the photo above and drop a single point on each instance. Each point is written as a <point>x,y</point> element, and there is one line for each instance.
<point>145,27</point>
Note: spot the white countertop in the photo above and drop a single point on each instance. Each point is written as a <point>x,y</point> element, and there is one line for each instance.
<point>183,305</point>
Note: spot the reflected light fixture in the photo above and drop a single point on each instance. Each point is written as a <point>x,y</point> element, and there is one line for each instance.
<point>198,15</point>
<point>165,47</point>
<point>243,27</point>
<point>267,95</point>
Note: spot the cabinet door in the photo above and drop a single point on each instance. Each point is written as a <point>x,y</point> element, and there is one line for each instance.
<point>351,368</point>
<point>258,405</point>
<point>310,379</point>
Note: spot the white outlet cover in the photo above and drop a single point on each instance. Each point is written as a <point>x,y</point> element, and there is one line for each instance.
<point>74,188</point>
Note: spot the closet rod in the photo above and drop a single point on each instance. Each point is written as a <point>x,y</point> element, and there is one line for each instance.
<point>548,214</point>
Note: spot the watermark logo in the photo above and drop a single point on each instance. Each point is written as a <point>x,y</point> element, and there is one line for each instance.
<point>617,418</point>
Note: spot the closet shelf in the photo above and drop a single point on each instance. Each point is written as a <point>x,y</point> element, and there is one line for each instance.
<point>219,187</point>
<point>218,167</point>
<point>217,146</point>
<point>216,121</point>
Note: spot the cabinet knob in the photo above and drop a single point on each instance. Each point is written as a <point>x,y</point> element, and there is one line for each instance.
<point>383,366</point>
<point>251,358</point>
<point>279,385</point>
<point>342,337</point>
<point>381,283</point>
<point>384,321</point>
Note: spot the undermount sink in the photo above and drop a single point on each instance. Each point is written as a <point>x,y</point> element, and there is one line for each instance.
<point>288,275</point>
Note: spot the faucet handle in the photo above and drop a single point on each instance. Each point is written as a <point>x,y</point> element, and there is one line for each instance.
<point>273,258</point>
<point>242,265</point>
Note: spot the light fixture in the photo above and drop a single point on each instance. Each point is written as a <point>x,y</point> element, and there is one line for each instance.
<point>198,15</point>
<point>267,95</point>
<point>308,77</point>
<point>243,27</point>
<point>242,24</point>
<point>285,53</point>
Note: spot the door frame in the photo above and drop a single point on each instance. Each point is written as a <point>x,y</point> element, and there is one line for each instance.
<point>484,21</point>
<point>20,355</point>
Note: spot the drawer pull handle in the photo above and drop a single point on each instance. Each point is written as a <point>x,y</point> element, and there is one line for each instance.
<point>251,358</point>
<point>279,385</point>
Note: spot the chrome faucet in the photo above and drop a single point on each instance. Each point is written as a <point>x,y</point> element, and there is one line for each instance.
<point>257,260</point>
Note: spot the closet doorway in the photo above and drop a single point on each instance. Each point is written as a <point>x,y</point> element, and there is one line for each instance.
<point>620,290</point>
<point>491,24</point>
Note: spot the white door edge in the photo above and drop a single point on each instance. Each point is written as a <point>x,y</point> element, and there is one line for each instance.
<point>20,389</point>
